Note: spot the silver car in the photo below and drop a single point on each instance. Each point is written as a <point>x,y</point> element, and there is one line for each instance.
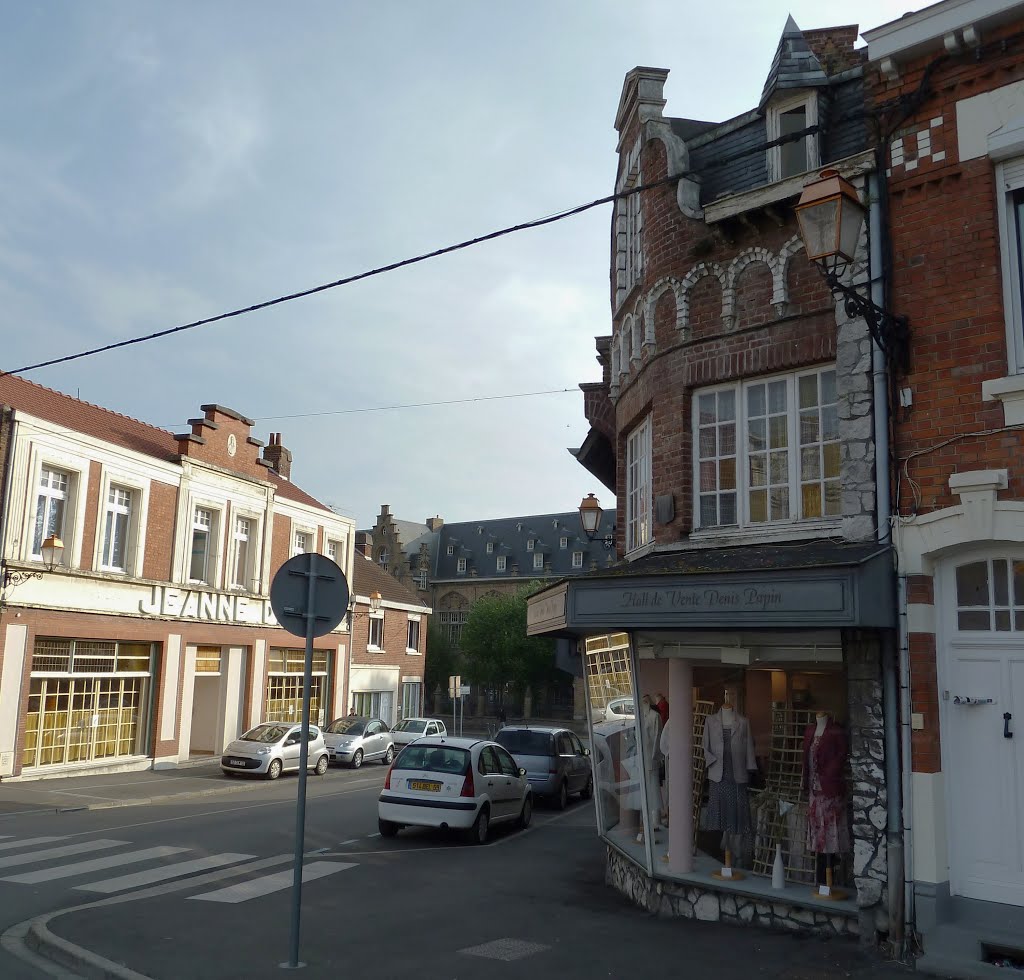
<point>410,729</point>
<point>273,747</point>
<point>355,740</point>
<point>556,762</point>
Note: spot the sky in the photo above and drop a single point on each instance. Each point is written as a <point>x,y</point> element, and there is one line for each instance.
<point>165,162</point>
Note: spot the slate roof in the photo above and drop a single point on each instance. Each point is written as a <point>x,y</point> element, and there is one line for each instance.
<point>104,424</point>
<point>368,577</point>
<point>795,66</point>
<point>509,537</point>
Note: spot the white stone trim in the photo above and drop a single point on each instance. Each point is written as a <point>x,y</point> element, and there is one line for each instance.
<point>931,842</point>
<point>15,652</point>
<point>169,671</point>
<point>920,617</point>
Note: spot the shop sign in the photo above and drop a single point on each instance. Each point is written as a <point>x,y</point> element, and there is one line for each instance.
<point>207,607</point>
<point>546,612</point>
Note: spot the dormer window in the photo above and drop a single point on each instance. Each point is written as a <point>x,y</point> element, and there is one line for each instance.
<point>490,547</point>
<point>451,549</point>
<point>785,118</point>
<point>563,542</point>
<point>529,544</point>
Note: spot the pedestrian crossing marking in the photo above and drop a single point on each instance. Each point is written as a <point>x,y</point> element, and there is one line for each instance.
<point>96,864</point>
<point>29,842</point>
<point>151,877</point>
<point>267,884</point>
<point>58,852</point>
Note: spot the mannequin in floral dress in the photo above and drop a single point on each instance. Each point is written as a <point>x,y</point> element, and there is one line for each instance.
<point>824,765</point>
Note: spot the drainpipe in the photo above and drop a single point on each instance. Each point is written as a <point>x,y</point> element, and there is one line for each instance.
<point>894,783</point>
<point>8,419</point>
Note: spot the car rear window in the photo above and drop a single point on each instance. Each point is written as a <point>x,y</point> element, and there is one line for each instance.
<point>433,758</point>
<point>525,742</point>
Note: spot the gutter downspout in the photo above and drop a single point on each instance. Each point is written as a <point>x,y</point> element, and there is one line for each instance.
<point>894,779</point>
<point>8,419</point>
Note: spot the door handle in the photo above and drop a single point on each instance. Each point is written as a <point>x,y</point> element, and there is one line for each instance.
<point>1006,725</point>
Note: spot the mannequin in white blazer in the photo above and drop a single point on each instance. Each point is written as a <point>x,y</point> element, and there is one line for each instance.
<point>743,759</point>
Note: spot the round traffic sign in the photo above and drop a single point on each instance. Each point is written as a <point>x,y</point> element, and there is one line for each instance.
<point>290,594</point>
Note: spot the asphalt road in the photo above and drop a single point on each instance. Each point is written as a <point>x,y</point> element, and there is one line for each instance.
<point>424,905</point>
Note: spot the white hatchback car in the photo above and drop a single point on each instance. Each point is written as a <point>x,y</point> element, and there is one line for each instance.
<point>271,748</point>
<point>410,729</point>
<point>461,783</point>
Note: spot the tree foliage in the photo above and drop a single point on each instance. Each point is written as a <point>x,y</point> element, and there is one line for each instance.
<point>442,659</point>
<point>495,647</point>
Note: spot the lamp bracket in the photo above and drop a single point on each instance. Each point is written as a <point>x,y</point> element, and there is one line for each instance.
<point>890,331</point>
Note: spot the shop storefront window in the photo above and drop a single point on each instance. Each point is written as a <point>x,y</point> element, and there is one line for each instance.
<point>284,686</point>
<point>412,696</point>
<point>375,704</point>
<point>615,743</point>
<point>87,701</point>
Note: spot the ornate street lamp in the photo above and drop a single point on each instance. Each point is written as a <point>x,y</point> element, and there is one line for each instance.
<point>53,551</point>
<point>830,216</point>
<point>375,601</point>
<point>590,518</point>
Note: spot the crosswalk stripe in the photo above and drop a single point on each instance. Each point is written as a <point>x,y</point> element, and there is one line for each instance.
<point>96,864</point>
<point>267,884</point>
<point>58,852</point>
<point>182,868</point>
<point>28,842</point>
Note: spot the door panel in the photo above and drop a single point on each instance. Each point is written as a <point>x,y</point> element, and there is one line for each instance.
<point>986,806</point>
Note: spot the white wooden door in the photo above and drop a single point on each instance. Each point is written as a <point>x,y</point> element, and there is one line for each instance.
<point>986,772</point>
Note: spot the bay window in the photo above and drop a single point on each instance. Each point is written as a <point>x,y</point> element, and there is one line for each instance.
<point>766,451</point>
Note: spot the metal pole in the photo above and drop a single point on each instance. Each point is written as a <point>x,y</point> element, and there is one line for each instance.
<point>300,810</point>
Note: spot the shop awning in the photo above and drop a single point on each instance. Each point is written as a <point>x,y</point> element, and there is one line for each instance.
<point>813,584</point>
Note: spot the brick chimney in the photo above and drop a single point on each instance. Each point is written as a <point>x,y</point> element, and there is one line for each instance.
<point>434,523</point>
<point>364,544</point>
<point>277,457</point>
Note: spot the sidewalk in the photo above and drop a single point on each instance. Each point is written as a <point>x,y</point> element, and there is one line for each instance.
<point>106,790</point>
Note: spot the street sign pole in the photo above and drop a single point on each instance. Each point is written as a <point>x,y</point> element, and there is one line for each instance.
<point>303,610</point>
<point>300,810</point>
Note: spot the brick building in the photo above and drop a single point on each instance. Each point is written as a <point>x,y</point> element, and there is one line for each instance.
<point>153,640</point>
<point>735,421</point>
<point>389,645</point>
<point>949,89</point>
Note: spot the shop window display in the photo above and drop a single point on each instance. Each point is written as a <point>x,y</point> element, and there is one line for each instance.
<point>770,769</point>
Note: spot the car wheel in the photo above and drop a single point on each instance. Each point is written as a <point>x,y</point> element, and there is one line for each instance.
<point>588,790</point>
<point>562,800</point>
<point>481,826</point>
<point>275,769</point>
<point>357,759</point>
<point>389,756</point>
<point>526,814</point>
<point>321,765</point>
<point>387,828</point>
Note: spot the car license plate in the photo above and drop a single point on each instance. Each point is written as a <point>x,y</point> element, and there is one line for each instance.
<point>424,786</point>
<point>236,762</point>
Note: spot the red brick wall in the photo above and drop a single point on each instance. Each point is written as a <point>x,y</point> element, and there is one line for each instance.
<point>163,506</point>
<point>280,543</point>
<point>92,506</point>
<point>925,700</point>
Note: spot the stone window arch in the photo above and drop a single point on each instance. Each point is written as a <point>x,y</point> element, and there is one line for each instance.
<point>698,272</point>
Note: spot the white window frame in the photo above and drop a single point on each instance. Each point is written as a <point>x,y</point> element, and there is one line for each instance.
<point>43,456</point>
<point>809,101</point>
<point>577,559</point>
<point>250,577</point>
<point>793,448</point>
<point>1009,180</point>
<point>563,542</point>
<point>639,498</point>
<point>451,549</point>
<point>490,547</point>
<point>629,249</point>
<point>529,544</point>
<point>136,546</point>
<point>46,496</point>
<point>500,563</point>
<point>538,561</point>
<point>212,559</point>
<point>375,625</point>
<point>460,566</point>
<point>420,578</point>
<point>309,533</point>
<point>412,643</point>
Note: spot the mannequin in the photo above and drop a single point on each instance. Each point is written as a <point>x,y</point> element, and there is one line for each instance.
<point>650,728</point>
<point>828,832</point>
<point>729,753</point>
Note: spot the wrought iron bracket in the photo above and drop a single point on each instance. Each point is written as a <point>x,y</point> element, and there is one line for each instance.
<point>889,331</point>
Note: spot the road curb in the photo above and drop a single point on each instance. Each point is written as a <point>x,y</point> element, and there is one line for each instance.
<point>41,940</point>
<point>165,798</point>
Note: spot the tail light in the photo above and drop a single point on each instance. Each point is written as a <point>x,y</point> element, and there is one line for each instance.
<point>387,779</point>
<point>468,786</point>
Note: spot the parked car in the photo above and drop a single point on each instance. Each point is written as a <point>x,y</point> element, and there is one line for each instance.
<point>556,763</point>
<point>460,783</point>
<point>617,709</point>
<point>410,729</point>
<point>272,748</point>
<point>354,740</point>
